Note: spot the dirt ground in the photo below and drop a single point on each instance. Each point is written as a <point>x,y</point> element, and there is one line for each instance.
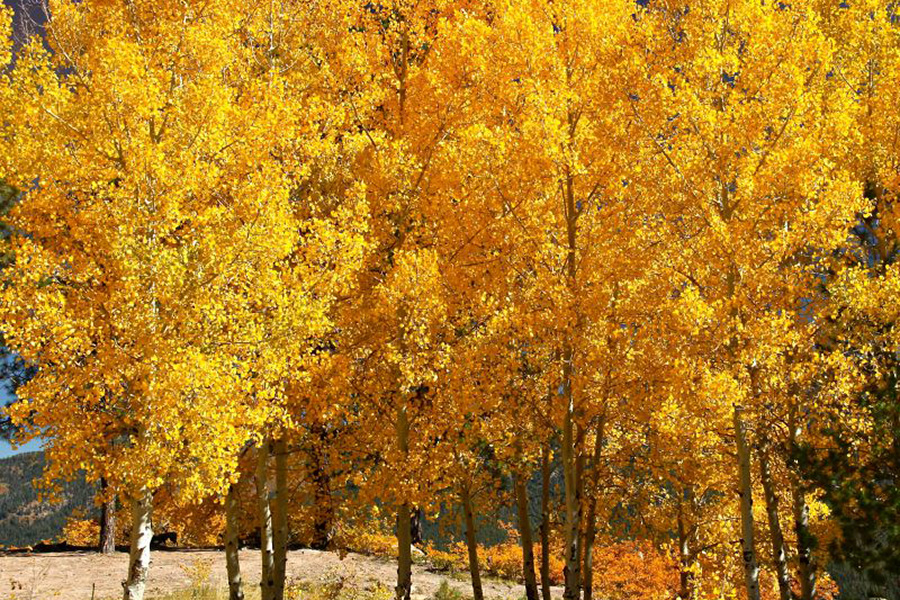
<point>87,575</point>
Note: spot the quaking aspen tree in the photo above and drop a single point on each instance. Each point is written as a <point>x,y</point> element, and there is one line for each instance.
<point>115,277</point>
<point>289,317</point>
<point>558,182</point>
<point>399,310</point>
<point>758,185</point>
<point>155,213</point>
<point>467,435</point>
<point>863,308</point>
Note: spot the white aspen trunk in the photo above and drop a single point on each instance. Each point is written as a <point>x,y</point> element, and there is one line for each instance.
<point>280,520</point>
<point>579,501</point>
<point>685,576</point>
<point>404,523</point>
<point>531,591</point>
<point>745,489</point>
<point>779,556</point>
<point>232,546</point>
<point>545,522</point>
<point>806,569</point>
<point>139,553</point>
<point>267,555</point>
<point>471,543</point>
<point>571,525</point>
<point>587,560</point>
<point>590,530</point>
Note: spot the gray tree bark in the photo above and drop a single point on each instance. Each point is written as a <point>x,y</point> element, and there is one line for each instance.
<point>232,546</point>
<point>572,522</point>
<point>545,522</point>
<point>471,542</point>
<point>323,507</point>
<point>107,520</point>
<point>525,537</point>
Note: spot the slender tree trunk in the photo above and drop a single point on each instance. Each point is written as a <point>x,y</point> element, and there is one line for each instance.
<point>779,555</point>
<point>107,520</point>
<point>571,524</point>
<point>323,508</point>
<point>590,531</point>
<point>471,542</point>
<point>404,522</point>
<point>751,569</point>
<point>280,518</point>
<point>545,522</point>
<point>686,576</point>
<point>139,553</point>
<point>266,549</point>
<point>324,513</point>
<point>232,546</point>
<point>416,526</point>
<point>579,499</point>
<point>531,591</point>
<point>806,568</point>
<point>404,556</point>
<point>571,528</point>
<point>590,535</point>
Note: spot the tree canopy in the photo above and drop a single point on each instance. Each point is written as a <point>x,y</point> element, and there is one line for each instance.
<point>414,253</point>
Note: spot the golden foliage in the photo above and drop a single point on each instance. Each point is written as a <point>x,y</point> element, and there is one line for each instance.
<point>429,244</point>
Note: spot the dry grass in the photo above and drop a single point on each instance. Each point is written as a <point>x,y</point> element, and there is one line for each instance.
<point>200,575</point>
<point>336,590</point>
<point>294,591</point>
<point>200,570</point>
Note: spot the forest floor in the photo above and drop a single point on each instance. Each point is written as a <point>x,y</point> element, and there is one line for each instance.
<point>88,575</point>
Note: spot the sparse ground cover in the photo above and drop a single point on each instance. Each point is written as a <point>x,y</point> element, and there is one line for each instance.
<point>200,575</point>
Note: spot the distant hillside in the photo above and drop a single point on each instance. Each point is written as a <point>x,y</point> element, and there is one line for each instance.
<point>23,519</point>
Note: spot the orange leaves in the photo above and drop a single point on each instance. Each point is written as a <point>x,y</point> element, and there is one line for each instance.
<point>634,570</point>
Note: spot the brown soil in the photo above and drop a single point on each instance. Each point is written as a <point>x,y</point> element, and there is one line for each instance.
<point>86,575</point>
